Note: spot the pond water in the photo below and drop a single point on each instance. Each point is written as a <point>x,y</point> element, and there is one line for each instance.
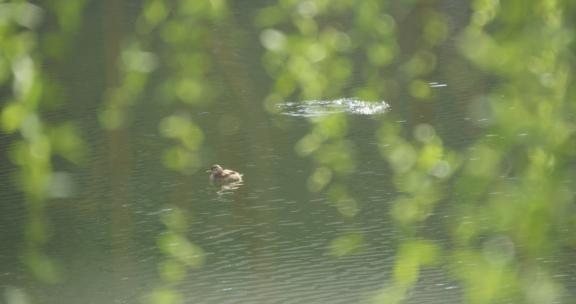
<point>272,239</point>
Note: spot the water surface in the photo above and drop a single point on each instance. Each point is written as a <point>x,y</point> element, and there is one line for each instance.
<point>273,239</point>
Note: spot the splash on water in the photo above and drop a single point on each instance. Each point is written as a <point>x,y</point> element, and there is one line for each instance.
<point>312,108</point>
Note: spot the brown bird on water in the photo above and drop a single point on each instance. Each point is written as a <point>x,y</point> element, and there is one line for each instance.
<point>217,174</point>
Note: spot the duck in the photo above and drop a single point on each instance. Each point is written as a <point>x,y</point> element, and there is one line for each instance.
<point>218,174</point>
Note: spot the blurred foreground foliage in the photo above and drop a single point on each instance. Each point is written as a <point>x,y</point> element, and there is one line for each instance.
<point>173,38</point>
<point>512,186</point>
<point>36,40</point>
<point>26,94</point>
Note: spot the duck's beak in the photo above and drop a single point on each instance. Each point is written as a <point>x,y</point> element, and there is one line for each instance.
<point>208,171</point>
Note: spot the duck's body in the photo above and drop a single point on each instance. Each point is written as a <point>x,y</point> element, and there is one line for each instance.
<point>217,174</point>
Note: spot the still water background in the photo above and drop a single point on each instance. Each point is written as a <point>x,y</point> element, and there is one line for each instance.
<point>139,98</point>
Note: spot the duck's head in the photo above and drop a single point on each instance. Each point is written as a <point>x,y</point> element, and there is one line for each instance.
<point>215,169</point>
